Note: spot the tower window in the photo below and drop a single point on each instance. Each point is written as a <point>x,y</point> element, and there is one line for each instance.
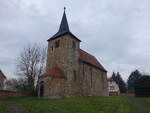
<point>75,75</point>
<point>73,44</point>
<point>57,44</point>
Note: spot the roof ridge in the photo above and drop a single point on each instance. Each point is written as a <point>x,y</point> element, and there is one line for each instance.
<point>88,58</point>
<point>87,52</point>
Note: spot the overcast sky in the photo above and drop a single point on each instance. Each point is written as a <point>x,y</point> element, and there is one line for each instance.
<point>117,32</point>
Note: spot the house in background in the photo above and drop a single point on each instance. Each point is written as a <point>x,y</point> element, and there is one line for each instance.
<point>2,80</point>
<point>113,87</point>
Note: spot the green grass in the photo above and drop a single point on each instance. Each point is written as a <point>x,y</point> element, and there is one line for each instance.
<point>3,107</point>
<point>146,99</point>
<point>113,104</point>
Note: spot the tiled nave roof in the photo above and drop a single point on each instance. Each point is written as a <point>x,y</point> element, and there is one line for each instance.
<point>90,59</point>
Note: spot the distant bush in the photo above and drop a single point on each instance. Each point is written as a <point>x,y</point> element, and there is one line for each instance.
<point>142,86</point>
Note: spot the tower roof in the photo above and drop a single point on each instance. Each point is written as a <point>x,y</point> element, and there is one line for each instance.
<point>64,24</point>
<point>63,29</point>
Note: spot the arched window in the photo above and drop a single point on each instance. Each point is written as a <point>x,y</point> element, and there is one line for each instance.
<point>57,44</point>
<point>83,71</point>
<point>91,77</point>
<point>52,48</point>
<point>73,44</point>
<point>75,75</point>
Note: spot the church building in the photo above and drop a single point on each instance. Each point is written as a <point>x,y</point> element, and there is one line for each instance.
<point>71,71</point>
<point>2,80</point>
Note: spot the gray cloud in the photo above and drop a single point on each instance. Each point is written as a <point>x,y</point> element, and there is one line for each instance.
<point>116,32</point>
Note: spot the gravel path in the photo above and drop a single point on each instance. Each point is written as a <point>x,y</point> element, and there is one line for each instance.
<point>143,107</point>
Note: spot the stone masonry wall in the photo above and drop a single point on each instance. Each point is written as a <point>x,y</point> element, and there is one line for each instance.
<point>1,82</point>
<point>7,94</point>
<point>53,87</point>
<point>92,80</point>
<point>89,81</point>
<point>65,56</point>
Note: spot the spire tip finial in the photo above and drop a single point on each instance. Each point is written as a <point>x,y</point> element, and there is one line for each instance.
<point>64,8</point>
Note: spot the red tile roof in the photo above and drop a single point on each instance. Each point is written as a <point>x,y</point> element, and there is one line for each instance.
<point>90,59</point>
<point>53,72</point>
<point>110,79</point>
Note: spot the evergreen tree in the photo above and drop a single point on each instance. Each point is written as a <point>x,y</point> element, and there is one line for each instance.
<point>142,86</point>
<point>113,76</point>
<point>118,79</point>
<point>121,83</point>
<point>135,75</point>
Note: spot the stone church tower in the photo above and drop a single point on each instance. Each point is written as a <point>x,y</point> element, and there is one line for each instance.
<point>70,71</point>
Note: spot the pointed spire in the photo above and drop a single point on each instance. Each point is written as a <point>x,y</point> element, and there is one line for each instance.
<point>64,24</point>
<point>63,29</point>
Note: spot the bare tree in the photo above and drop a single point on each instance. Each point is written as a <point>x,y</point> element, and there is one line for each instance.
<point>31,64</point>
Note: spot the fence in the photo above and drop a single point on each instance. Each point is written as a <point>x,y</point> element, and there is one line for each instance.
<point>6,94</point>
<point>127,94</point>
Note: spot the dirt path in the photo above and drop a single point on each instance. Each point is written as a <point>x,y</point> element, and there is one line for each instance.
<point>16,108</point>
<point>142,106</point>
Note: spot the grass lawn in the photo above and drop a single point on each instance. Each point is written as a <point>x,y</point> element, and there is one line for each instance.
<point>113,104</point>
<point>146,99</point>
